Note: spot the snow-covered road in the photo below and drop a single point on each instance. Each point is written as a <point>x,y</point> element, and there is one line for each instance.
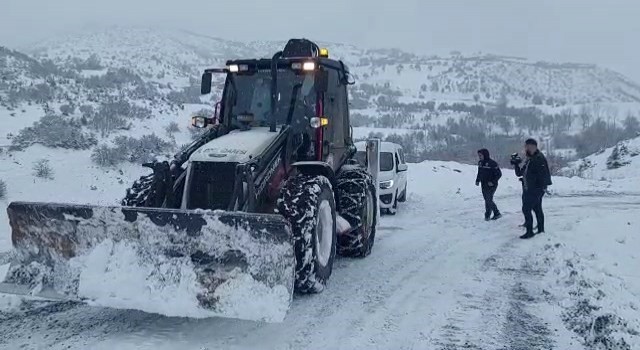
<point>439,277</point>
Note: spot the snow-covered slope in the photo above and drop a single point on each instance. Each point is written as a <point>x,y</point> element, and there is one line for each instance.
<point>158,54</point>
<point>435,97</point>
<point>439,277</point>
<point>621,161</point>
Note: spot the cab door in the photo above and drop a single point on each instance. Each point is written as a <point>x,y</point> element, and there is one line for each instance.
<point>336,107</point>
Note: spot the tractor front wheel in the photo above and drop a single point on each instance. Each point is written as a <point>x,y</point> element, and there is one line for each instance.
<point>308,204</point>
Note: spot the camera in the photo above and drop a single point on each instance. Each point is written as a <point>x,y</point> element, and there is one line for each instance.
<point>515,159</point>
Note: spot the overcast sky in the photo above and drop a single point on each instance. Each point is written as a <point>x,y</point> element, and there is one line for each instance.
<point>606,32</point>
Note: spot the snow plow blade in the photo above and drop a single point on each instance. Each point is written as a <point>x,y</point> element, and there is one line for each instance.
<point>184,263</point>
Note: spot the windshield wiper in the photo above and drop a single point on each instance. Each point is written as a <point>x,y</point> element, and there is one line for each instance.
<point>292,103</point>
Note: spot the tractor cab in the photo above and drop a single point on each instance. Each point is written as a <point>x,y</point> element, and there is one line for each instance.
<point>299,90</point>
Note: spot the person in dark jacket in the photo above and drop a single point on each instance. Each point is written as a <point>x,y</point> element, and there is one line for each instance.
<point>516,161</point>
<point>488,175</point>
<point>536,176</point>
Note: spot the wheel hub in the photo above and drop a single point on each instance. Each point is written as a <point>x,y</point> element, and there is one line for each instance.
<point>324,233</point>
<point>368,216</point>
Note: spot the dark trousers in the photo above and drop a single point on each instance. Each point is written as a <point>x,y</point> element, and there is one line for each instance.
<point>489,204</point>
<point>532,201</point>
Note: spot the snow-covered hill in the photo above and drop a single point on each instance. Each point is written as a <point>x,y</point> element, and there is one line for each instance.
<point>431,104</point>
<point>159,55</point>
<point>621,161</point>
<point>79,114</point>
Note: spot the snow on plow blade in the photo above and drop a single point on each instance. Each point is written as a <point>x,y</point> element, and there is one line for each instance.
<point>187,263</point>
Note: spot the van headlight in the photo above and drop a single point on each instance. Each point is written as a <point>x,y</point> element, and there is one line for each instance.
<point>386,184</point>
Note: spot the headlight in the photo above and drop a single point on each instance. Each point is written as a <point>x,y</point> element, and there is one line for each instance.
<point>315,122</point>
<point>386,184</point>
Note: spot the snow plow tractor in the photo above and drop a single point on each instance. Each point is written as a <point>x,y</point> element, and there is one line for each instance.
<point>254,209</point>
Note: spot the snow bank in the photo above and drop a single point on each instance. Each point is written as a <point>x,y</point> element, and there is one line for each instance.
<point>621,162</point>
<point>593,277</point>
<point>451,179</point>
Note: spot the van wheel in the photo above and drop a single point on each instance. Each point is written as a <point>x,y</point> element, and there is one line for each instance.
<point>403,196</point>
<point>394,208</point>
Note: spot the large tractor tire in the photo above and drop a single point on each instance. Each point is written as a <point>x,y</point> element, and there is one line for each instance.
<point>138,194</point>
<point>357,203</point>
<point>308,204</point>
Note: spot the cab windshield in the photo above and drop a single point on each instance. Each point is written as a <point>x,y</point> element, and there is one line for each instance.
<point>250,94</point>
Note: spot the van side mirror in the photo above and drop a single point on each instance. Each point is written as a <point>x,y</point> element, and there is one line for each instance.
<point>205,86</point>
<point>216,112</point>
<point>402,167</point>
<point>321,80</point>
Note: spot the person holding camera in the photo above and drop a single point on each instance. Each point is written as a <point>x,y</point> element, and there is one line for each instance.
<point>516,161</point>
<point>488,175</point>
<point>535,176</point>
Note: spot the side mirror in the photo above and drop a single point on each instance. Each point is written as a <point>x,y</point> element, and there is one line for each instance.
<point>205,87</point>
<point>201,122</point>
<point>216,112</point>
<point>321,80</point>
<point>402,167</point>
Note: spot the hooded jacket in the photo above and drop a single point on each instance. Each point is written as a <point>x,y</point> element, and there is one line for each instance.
<point>488,169</point>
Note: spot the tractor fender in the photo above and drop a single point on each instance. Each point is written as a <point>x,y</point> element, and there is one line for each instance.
<point>316,168</point>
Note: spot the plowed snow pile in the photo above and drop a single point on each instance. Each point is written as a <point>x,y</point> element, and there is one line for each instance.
<point>113,275</point>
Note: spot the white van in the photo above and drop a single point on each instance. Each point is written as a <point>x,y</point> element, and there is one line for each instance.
<point>392,179</point>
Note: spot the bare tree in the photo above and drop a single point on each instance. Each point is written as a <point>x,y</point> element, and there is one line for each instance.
<point>631,125</point>
<point>3,190</point>
<point>586,116</point>
<point>42,169</point>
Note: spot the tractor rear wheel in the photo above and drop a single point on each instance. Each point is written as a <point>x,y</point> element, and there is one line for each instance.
<point>307,202</point>
<point>357,203</point>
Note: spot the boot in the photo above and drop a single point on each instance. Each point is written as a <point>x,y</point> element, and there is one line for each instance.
<point>540,230</point>
<point>496,216</point>
<point>528,235</point>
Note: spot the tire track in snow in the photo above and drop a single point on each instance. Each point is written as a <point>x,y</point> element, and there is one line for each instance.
<point>496,312</point>
<point>405,316</point>
<point>380,285</point>
<point>420,288</point>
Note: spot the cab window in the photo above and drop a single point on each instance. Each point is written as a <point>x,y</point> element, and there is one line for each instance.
<point>386,161</point>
